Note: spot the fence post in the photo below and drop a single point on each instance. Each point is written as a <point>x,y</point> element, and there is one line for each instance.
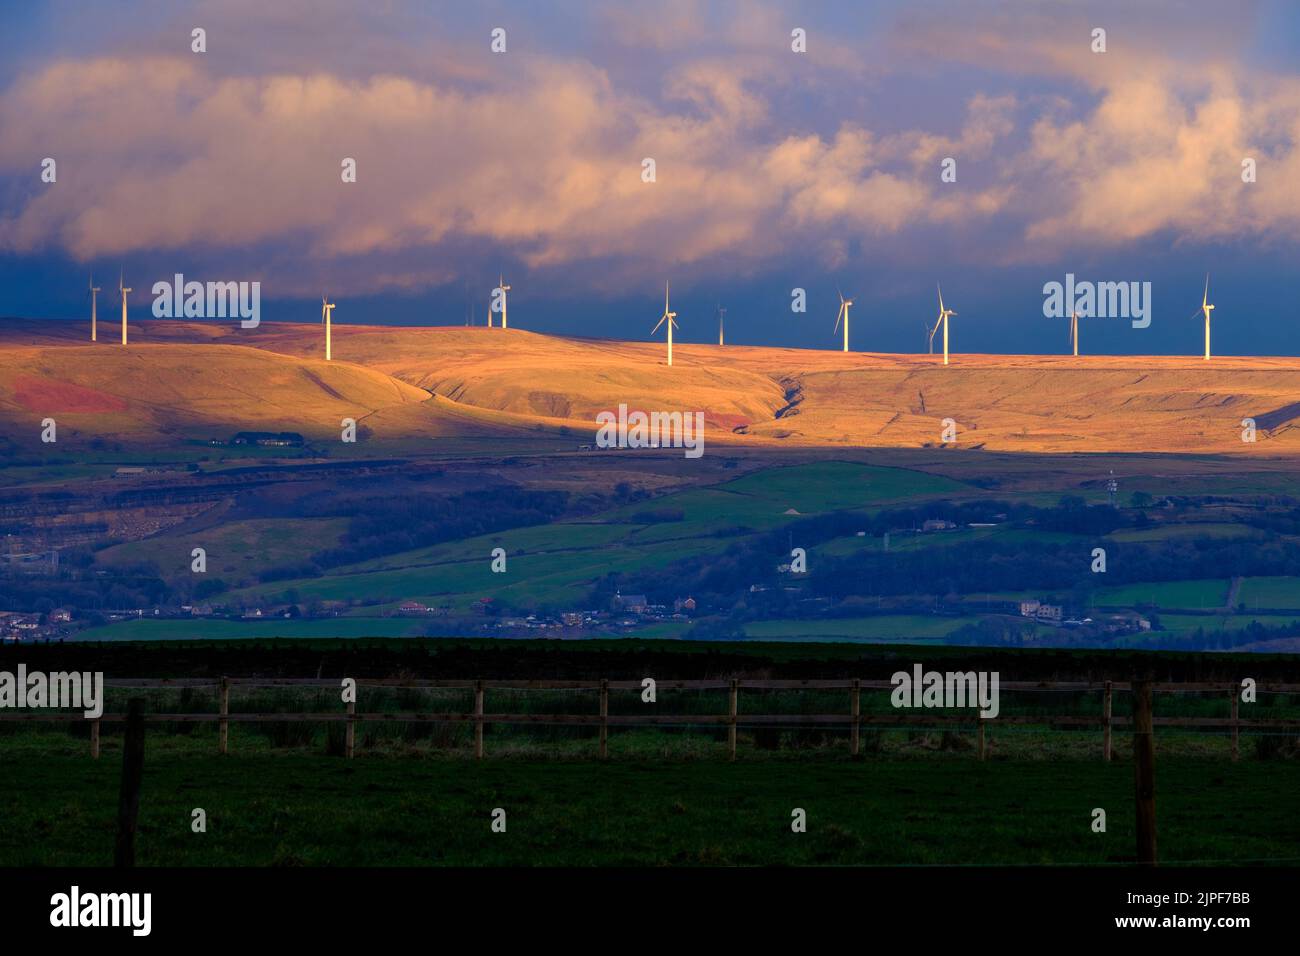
<point>128,803</point>
<point>1105,722</point>
<point>350,731</point>
<point>94,739</point>
<point>981,746</point>
<point>731,714</point>
<point>223,725</point>
<point>478,720</point>
<point>1236,725</point>
<point>604,718</point>
<point>855,710</point>
<point>1144,757</point>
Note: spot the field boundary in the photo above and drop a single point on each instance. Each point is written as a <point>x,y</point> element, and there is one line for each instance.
<point>852,718</point>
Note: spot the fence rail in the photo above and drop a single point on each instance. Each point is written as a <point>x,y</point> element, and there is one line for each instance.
<point>852,719</point>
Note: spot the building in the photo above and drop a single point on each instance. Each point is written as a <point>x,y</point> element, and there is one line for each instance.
<point>635,603</point>
<point>1049,613</point>
<point>412,607</point>
<point>60,615</point>
<point>686,605</point>
<point>937,524</point>
<point>1029,608</point>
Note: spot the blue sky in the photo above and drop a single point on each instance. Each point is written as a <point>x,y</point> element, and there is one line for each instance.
<point>774,169</point>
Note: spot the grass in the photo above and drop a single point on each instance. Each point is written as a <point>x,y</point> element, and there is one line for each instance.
<point>899,627</point>
<point>236,550</point>
<point>1197,594</point>
<point>292,810</point>
<point>1268,592</point>
<point>556,563</point>
<point>1190,530</point>
<point>205,629</point>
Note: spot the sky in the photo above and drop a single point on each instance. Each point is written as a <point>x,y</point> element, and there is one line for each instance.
<point>774,169</point>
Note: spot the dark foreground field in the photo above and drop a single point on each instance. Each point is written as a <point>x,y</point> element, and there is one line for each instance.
<point>290,810</point>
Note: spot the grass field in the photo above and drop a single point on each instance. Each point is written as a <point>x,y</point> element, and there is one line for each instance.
<point>235,550</point>
<point>557,563</point>
<point>1270,592</point>
<point>1195,594</point>
<point>1190,530</point>
<point>303,810</point>
<point>205,629</point>
<point>913,628</point>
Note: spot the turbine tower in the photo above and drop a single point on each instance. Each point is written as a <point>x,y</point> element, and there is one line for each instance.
<point>942,320</point>
<point>123,290</point>
<point>1206,308</point>
<point>505,322</point>
<point>671,319</point>
<point>326,314</point>
<point>722,318</point>
<point>94,291</point>
<point>1074,331</point>
<point>843,314</point>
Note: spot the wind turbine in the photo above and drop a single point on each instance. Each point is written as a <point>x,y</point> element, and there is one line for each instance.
<point>1206,308</point>
<point>942,320</point>
<point>1074,331</point>
<point>671,319</point>
<point>123,290</point>
<point>94,291</point>
<point>505,322</point>
<point>722,318</point>
<point>326,314</point>
<point>843,314</point>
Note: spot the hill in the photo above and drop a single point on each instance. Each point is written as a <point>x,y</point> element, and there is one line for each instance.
<point>155,393</point>
<point>489,379</point>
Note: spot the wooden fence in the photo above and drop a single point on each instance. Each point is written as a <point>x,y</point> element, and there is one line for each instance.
<point>851,718</point>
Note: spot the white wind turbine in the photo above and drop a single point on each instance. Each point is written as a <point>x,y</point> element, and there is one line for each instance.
<point>671,319</point>
<point>326,314</point>
<point>505,322</point>
<point>94,291</point>
<point>123,290</point>
<point>1074,331</point>
<point>942,320</point>
<point>1206,309</point>
<point>722,317</point>
<point>843,314</point>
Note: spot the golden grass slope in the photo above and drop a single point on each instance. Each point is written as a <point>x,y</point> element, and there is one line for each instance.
<point>149,392</point>
<point>493,378</point>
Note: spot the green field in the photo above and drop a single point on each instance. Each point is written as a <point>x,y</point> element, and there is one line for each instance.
<point>909,628</point>
<point>1271,592</point>
<point>1190,530</point>
<point>292,810</point>
<point>235,550</point>
<point>205,629</point>
<point>1200,594</point>
<point>556,563</point>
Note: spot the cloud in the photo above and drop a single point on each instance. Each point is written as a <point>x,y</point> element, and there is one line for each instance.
<point>535,158</point>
